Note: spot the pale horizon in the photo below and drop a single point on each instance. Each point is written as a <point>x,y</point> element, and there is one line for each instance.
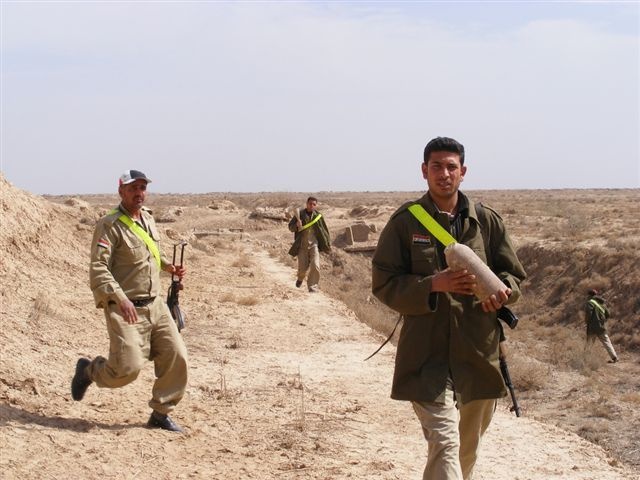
<point>318,96</point>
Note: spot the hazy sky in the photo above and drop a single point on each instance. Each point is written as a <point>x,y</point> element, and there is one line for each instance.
<point>312,96</point>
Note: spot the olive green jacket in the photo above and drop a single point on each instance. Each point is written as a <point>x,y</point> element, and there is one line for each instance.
<point>320,229</point>
<point>121,264</point>
<point>444,335</point>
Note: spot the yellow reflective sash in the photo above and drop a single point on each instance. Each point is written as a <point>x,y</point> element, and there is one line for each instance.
<point>597,306</point>
<point>431,225</point>
<point>142,235</point>
<point>311,223</point>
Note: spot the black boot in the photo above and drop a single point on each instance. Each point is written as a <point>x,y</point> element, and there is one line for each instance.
<point>158,420</point>
<point>81,380</point>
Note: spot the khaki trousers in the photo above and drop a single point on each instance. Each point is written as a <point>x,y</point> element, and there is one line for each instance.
<point>309,259</point>
<point>605,341</point>
<point>453,436</point>
<point>154,337</point>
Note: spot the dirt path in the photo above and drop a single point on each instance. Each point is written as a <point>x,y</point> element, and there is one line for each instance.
<point>278,389</point>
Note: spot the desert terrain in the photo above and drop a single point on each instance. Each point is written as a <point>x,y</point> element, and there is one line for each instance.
<point>278,386</point>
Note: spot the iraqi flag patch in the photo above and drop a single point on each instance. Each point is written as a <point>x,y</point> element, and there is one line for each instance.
<point>421,239</point>
<point>104,243</point>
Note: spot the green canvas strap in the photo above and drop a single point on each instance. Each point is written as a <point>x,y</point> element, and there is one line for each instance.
<point>142,235</point>
<point>597,306</point>
<point>311,223</point>
<point>431,225</point>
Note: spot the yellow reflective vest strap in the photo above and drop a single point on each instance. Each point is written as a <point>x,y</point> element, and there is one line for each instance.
<point>597,306</point>
<point>431,225</point>
<point>311,223</point>
<point>142,235</point>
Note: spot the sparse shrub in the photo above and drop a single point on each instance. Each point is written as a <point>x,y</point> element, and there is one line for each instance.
<point>247,301</point>
<point>224,243</point>
<point>602,408</point>
<point>233,343</point>
<point>202,246</point>
<point>243,260</point>
<point>528,374</point>
<point>631,397</point>
<point>227,297</point>
<point>590,431</point>
<point>41,307</point>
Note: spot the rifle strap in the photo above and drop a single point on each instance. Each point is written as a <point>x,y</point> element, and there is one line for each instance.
<point>388,338</point>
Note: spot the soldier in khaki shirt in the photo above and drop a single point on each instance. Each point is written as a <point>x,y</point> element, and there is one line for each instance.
<point>125,281</point>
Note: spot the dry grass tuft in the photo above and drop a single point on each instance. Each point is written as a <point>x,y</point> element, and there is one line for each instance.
<point>243,260</point>
<point>631,397</point>
<point>528,374</point>
<point>602,407</point>
<point>227,297</point>
<point>41,307</point>
<point>234,342</point>
<point>247,301</point>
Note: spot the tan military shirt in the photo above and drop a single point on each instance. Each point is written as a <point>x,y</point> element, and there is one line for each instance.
<point>121,264</point>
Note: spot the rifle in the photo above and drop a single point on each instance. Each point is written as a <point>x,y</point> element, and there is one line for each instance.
<point>508,317</point>
<point>174,290</point>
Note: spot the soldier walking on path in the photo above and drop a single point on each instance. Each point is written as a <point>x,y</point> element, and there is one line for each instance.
<point>596,314</point>
<point>311,238</point>
<point>125,280</point>
<point>447,355</point>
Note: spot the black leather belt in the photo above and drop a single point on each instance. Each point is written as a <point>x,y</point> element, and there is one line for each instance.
<point>142,302</point>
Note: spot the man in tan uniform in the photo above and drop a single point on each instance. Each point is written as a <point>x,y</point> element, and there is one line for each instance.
<point>125,280</point>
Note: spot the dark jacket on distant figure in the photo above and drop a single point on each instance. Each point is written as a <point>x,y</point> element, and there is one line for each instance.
<point>320,229</point>
<point>596,314</point>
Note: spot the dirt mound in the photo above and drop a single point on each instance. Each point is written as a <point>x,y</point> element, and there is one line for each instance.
<point>560,288</point>
<point>44,263</point>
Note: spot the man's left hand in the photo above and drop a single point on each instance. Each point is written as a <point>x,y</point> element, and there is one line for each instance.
<point>176,270</point>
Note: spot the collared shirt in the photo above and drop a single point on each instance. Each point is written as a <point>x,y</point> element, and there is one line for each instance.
<point>121,264</point>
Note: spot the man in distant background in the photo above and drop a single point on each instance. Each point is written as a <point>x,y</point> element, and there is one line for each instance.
<point>596,315</point>
<point>311,238</point>
<point>124,275</point>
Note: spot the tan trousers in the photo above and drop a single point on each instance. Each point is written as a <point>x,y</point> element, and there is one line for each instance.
<point>309,259</point>
<point>453,436</point>
<point>604,340</point>
<point>154,337</point>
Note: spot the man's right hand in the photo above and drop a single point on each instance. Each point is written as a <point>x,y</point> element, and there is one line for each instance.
<point>128,311</point>
<point>460,281</point>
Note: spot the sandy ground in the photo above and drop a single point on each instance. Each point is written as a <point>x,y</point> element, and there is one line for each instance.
<point>277,390</point>
<point>278,386</point>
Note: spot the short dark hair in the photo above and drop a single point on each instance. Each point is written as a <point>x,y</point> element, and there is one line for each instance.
<point>312,199</point>
<point>444,144</point>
